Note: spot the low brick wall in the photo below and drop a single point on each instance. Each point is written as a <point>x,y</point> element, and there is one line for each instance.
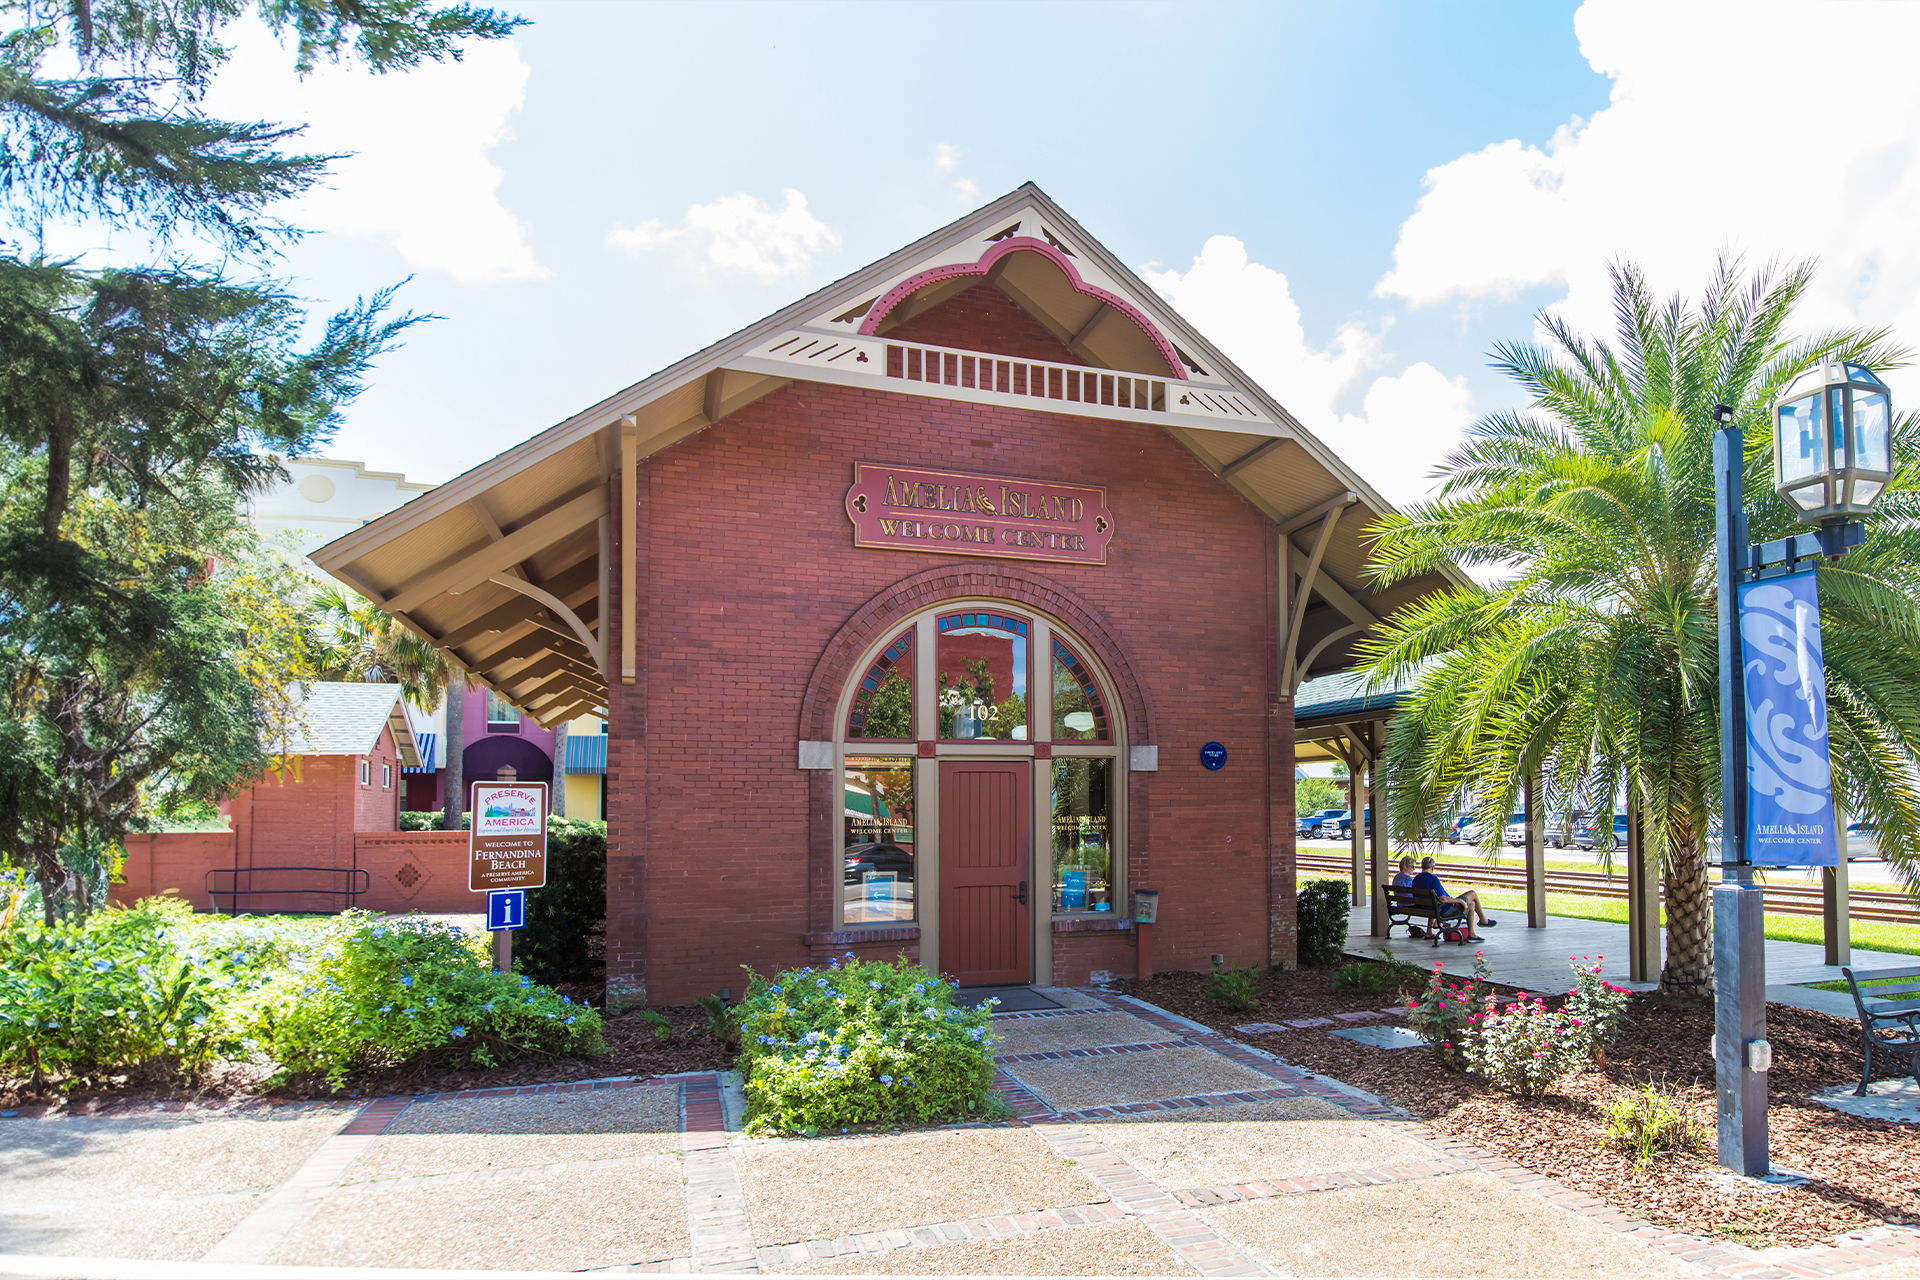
<point>406,871</point>
<point>416,871</point>
<point>173,862</point>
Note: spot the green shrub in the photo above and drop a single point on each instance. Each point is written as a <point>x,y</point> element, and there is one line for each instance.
<point>1385,974</point>
<point>862,1042</point>
<point>417,820</point>
<point>1651,1121</point>
<point>373,992</point>
<point>561,916</point>
<point>125,991</point>
<point>1320,914</point>
<point>1232,988</point>
<point>1446,1011</point>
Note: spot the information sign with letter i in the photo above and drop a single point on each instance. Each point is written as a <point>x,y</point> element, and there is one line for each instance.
<point>506,909</point>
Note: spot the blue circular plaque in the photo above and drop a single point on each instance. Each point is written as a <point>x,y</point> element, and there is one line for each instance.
<point>1213,755</point>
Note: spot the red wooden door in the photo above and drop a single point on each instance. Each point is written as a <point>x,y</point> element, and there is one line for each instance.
<point>986,841</point>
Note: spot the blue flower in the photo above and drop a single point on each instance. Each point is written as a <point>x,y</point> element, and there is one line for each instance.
<point>409,1012</point>
<point>874,985</point>
<point>459,1031</point>
<point>406,980</point>
<point>886,1079</point>
<point>379,933</point>
<point>430,1002</point>
<point>819,982</point>
<point>773,991</point>
<point>526,982</point>
<point>101,966</point>
<point>570,1021</point>
<point>386,1008</point>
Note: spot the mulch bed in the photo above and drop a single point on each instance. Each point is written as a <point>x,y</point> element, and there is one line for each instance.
<point>1861,1173</point>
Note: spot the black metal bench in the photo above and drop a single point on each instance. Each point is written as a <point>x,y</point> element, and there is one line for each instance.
<point>1880,1015</point>
<point>1405,904</point>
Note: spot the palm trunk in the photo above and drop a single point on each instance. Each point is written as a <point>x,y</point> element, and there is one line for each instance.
<point>455,780</point>
<point>1688,972</point>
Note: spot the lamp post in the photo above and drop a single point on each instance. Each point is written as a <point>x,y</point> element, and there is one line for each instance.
<point>1832,454</point>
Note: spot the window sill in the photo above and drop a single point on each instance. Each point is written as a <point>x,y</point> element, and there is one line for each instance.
<point>1102,923</point>
<point>863,933</point>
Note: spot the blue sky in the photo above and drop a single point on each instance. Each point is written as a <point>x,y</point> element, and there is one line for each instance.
<point>1355,200</point>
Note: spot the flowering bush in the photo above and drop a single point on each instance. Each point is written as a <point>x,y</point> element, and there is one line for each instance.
<point>155,988</point>
<point>127,990</point>
<point>1527,1048</point>
<point>1444,1013</point>
<point>372,992</point>
<point>1600,1007</point>
<point>861,1042</point>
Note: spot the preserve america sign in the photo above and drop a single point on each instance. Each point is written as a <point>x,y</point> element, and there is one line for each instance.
<point>964,513</point>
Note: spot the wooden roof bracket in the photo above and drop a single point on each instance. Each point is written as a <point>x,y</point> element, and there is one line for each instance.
<point>1289,675</point>
<point>595,646</point>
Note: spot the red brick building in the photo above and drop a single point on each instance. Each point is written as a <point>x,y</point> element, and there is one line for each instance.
<point>911,609</point>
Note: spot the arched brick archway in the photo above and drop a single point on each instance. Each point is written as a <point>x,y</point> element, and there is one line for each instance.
<point>880,618</point>
<point>871,622</point>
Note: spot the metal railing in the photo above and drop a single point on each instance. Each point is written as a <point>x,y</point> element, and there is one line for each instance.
<point>344,883</point>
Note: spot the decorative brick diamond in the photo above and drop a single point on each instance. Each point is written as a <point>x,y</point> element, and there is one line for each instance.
<point>408,875</point>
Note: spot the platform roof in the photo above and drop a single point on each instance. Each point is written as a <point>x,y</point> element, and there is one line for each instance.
<point>505,567</point>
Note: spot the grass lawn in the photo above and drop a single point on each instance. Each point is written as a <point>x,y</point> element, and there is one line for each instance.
<point>1841,986</point>
<point>1866,936</point>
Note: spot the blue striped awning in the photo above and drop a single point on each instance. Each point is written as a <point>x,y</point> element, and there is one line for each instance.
<point>586,753</point>
<point>428,761</point>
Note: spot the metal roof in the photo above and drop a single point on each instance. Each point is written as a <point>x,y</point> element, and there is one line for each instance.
<point>505,569</point>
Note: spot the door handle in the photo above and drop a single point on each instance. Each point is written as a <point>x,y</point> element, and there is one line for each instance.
<point>1022,899</point>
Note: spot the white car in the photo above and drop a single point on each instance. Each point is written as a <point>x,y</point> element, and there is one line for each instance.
<point>1516,834</point>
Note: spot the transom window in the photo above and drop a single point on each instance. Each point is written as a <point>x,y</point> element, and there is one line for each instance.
<point>981,663</point>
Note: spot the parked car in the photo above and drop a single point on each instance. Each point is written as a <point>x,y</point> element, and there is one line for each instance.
<point>1477,832</point>
<point>1310,824</point>
<point>1340,827</point>
<point>1586,832</point>
<point>862,858</point>
<point>1559,832</point>
<point>1863,842</point>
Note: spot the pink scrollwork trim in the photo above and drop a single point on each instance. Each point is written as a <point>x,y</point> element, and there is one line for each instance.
<point>1023,244</point>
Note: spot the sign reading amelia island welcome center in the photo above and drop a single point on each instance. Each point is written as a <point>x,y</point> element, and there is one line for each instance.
<point>962,513</point>
<point>508,842</point>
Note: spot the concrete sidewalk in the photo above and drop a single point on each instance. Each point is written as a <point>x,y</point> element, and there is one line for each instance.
<point>1141,1144</point>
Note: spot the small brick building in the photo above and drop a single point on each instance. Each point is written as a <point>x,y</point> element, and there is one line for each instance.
<point>912,609</point>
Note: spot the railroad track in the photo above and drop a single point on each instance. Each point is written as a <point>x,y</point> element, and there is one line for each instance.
<point>1879,906</point>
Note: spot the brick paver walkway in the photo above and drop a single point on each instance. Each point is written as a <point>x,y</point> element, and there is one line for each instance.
<point>1173,1150</point>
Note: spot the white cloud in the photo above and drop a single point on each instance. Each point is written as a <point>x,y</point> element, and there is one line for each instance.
<point>967,189</point>
<point>737,235</point>
<point>1407,422</point>
<point>1779,131</point>
<point>420,179</point>
<point>945,156</point>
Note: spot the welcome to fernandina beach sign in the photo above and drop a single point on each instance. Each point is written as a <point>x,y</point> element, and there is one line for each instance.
<point>960,513</point>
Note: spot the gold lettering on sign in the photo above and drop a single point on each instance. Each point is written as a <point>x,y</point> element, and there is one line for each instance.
<point>978,515</point>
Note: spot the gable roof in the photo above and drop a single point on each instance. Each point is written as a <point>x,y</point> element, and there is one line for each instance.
<point>344,718</point>
<point>504,568</point>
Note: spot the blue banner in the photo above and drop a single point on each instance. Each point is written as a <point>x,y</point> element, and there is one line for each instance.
<point>1789,780</point>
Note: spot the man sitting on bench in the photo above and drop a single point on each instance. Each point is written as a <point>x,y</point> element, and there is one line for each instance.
<point>1466,905</point>
<point>1405,881</point>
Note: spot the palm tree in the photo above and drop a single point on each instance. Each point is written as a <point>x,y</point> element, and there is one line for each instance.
<point>361,642</point>
<point>1591,663</point>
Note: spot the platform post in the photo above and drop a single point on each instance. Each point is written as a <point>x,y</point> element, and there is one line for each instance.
<point>1836,923</point>
<point>1536,857</point>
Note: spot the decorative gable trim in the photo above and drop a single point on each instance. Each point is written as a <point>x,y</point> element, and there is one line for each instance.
<point>879,311</point>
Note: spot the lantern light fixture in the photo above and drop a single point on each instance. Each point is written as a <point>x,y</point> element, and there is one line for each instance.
<point>1833,442</point>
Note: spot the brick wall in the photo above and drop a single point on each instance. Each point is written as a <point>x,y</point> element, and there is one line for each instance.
<point>172,862</point>
<point>416,871</point>
<point>747,571</point>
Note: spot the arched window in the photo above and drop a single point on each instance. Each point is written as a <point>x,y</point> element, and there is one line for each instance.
<point>957,683</point>
<point>883,702</point>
